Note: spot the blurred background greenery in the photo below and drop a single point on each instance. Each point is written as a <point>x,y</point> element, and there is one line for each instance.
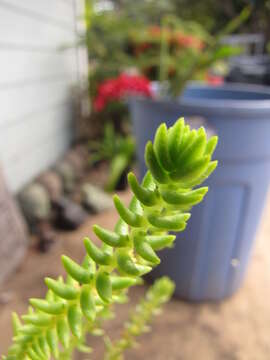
<point>159,44</point>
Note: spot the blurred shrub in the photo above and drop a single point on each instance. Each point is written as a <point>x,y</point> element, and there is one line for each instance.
<point>212,14</point>
<point>117,150</point>
<point>154,39</point>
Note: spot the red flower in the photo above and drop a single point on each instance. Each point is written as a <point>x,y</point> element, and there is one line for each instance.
<point>189,41</point>
<point>154,30</point>
<point>214,79</point>
<point>117,88</point>
<point>99,104</point>
<point>141,48</point>
<point>177,38</point>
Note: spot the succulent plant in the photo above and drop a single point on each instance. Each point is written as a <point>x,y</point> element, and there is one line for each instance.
<point>178,160</point>
<point>138,323</point>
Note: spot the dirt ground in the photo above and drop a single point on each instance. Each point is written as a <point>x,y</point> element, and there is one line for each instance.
<point>236,329</point>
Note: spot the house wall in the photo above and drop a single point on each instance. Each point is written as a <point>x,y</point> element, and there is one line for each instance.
<point>35,81</point>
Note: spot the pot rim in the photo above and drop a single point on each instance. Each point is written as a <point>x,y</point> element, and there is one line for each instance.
<point>232,103</point>
<point>222,103</point>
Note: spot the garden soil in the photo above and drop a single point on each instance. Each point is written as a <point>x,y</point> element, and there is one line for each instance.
<point>235,329</point>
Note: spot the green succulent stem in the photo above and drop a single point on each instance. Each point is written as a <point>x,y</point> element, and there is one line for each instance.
<point>178,160</point>
<point>149,306</point>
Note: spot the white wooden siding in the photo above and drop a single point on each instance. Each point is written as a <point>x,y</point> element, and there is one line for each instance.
<point>35,81</point>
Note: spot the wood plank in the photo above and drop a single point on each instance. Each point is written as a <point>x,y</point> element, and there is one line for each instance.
<point>21,30</point>
<point>29,135</point>
<point>25,66</point>
<point>56,12</point>
<point>28,162</point>
<point>82,54</point>
<point>24,171</point>
<point>35,83</point>
<point>18,103</point>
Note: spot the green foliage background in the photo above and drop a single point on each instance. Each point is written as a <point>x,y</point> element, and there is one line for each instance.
<point>213,14</point>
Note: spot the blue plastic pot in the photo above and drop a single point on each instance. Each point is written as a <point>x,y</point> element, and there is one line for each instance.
<point>210,257</point>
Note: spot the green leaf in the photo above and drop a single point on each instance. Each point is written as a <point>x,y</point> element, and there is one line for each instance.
<point>191,171</point>
<point>193,151</point>
<point>128,266</point>
<point>87,302</point>
<point>44,346</point>
<point>152,163</point>
<point>145,196</point>
<point>38,319</point>
<point>54,308</point>
<point>75,320</point>
<point>122,282</point>
<point>145,250</point>
<point>211,145</point>
<point>210,168</point>
<point>159,242</point>
<point>104,286</point>
<point>169,222</point>
<point>16,324</point>
<point>63,331</point>
<point>127,215</point>
<point>188,198</point>
<point>76,271</point>
<point>161,147</point>
<point>111,238</point>
<point>29,330</point>
<point>52,339</point>
<point>62,290</point>
<point>99,256</point>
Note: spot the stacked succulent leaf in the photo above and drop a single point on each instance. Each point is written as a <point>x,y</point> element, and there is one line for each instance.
<point>178,160</point>
<point>158,294</point>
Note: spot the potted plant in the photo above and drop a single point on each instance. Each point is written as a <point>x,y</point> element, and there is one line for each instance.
<point>212,263</point>
<point>77,305</point>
